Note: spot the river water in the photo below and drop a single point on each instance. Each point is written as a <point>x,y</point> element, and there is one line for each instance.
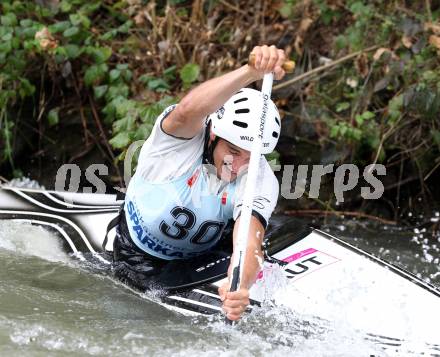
<point>53,305</point>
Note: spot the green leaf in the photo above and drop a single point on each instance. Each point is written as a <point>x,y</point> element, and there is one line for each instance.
<point>59,26</point>
<point>158,84</point>
<point>100,91</point>
<point>109,35</point>
<point>5,47</point>
<point>16,42</point>
<point>70,32</point>
<point>334,131</point>
<point>395,107</point>
<point>26,88</point>
<point>116,91</point>
<point>358,8</point>
<point>79,19</point>
<point>29,33</point>
<point>170,73</point>
<point>359,119</point>
<point>120,125</point>
<point>128,75</point>
<point>52,117</point>
<point>189,73</point>
<point>356,134</point>
<point>7,37</point>
<point>143,131</point>
<point>65,6</point>
<point>126,108</point>
<point>145,78</point>
<point>114,75</point>
<point>100,54</point>
<point>9,19</point>
<point>340,107</point>
<point>91,7</point>
<point>368,115</point>
<point>120,141</point>
<point>122,66</point>
<point>72,51</point>
<point>75,19</point>
<point>343,130</point>
<point>373,141</point>
<point>125,27</point>
<point>95,73</point>
<point>26,23</point>
<point>430,76</point>
<point>274,155</point>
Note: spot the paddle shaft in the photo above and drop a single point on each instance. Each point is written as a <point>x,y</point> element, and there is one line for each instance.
<point>251,181</point>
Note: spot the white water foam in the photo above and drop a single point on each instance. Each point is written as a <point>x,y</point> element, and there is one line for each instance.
<point>24,182</point>
<point>27,239</point>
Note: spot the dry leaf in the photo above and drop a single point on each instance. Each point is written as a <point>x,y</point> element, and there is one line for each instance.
<point>281,102</point>
<point>298,45</point>
<point>434,27</point>
<point>335,4</point>
<point>43,34</point>
<point>352,82</point>
<point>278,27</point>
<point>310,89</point>
<point>45,39</point>
<point>304,25</point>
<point>139,19</point>
<point>378,54</point>
<point>407,41</point>
<point>361,64</point>
<point>380,51</point>
<point>299,40</point>
<point>435,41</point>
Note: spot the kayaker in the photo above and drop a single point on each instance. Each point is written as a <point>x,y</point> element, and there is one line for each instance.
<point>190,179</point>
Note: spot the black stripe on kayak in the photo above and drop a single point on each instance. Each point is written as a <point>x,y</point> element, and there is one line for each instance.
<point>195,302</point>
<point>77,235</point>
<point>213,289</point>
<point>47,201</point>
<point>398,270</point>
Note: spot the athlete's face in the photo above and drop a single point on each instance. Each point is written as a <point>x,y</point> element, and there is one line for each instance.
<point>230,160</point>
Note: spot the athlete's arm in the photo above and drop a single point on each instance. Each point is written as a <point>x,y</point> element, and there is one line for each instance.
<point>235,303</point>
<point>187,119</point>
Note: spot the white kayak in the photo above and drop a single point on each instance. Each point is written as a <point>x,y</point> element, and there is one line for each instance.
<point>324,276</point>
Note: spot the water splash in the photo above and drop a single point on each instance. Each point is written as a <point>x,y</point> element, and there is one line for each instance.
<point>24,182</point>
<point>26,239</point>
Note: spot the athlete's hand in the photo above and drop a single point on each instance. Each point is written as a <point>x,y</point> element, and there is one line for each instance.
<point>267,60</point>
<point>234,303</point>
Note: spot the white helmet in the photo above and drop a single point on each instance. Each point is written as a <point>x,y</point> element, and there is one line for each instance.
<point>236,121</point>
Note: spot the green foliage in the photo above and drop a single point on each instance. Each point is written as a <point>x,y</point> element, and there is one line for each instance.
<point>133,120</point>
<point>386,102</point>
<point>69,41</point>
<point>189,74</point>
<point>53,117</point>
<point>286,8</point>
<point>273,158</point>
<point>162,84</point>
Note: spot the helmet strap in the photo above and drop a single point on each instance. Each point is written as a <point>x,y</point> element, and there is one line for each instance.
<point>208,148</point>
